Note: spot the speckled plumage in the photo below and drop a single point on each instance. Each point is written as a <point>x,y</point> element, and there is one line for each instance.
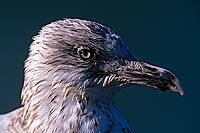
<point>73,70</point>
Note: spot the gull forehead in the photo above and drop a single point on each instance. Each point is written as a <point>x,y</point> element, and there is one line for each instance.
<point>75,32</point>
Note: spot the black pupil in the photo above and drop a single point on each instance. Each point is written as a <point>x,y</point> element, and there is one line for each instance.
<point>86,54</point>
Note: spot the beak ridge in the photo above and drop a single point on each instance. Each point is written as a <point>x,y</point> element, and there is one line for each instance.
<point>137,72</point>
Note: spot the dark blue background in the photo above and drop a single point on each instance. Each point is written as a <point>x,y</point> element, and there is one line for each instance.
<point>165,33</point>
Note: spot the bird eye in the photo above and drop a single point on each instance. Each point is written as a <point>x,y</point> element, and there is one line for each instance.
<point>86,54</point>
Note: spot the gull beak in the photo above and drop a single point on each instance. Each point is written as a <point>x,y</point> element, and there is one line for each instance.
<point>137,72</point>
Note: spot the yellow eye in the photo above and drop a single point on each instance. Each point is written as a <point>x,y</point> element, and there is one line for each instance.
<point>86,54</point>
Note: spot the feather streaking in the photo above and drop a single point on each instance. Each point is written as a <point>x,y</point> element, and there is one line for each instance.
<point>73,70</point>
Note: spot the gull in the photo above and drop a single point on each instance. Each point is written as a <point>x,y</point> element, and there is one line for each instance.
<point>74,69</point>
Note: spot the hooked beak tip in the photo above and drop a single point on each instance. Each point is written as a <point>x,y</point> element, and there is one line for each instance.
<point>181,92</point>
<point>176,87</point>
<point>179,89</point>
